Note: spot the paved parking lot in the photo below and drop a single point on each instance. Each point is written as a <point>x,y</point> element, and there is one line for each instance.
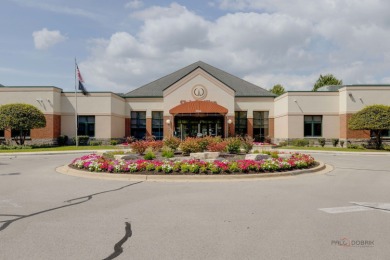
<point>343,214</point>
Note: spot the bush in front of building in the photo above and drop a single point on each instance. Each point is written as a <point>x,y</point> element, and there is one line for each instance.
<point>300,142</point>
<point>321,141</point>
<point>217,147</point>
<point>83,139</point>
<point>172,142</point>
<point>190,145</point>
<point>149,154</point>
<point>62,140</point>
<point>167,152</point>
<point>233,145</point>
<point>247,143</point>
<point>139,147</point>
<point>95,142</point>
<point>335,142</point>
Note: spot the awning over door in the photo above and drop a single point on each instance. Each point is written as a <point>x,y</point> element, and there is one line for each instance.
<point>198,106</point>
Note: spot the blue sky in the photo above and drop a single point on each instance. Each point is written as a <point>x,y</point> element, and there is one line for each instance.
<point>123,44</point>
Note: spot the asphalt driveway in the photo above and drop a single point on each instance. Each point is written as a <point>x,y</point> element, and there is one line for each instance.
<point>343,214</point>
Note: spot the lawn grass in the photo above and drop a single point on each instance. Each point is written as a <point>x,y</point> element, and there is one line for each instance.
<point>63,148</point>
<point>335,149</point>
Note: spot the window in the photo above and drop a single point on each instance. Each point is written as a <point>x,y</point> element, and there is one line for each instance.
<point>157,124</point>
<point>313,126</point>
<point>16,133</point>
<point>260,125</point>
<point>384,134</point>
<point>138,124</point>
<point>240,123</point>
<point>1,134</point>
<point>86,126</point>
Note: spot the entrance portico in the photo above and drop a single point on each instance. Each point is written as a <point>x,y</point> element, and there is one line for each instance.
<point>199,118</point>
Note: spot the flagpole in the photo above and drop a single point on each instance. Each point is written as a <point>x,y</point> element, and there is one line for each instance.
<point>75,93</point>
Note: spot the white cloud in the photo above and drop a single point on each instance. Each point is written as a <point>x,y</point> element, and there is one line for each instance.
<point>273,41</point>
<point>44,38</point>
<point>135,4</point>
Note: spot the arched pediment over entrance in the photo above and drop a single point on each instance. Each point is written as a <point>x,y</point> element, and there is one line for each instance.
<point>198,106</point>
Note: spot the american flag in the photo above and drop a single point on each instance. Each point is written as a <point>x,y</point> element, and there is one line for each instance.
<point>81,81</point>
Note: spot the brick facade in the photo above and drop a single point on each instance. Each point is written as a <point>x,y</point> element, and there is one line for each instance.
<point>52,129</point>
<point>249,125</point>
<point>346,133</point>
<point>271,129</point>
<point>127,127</point>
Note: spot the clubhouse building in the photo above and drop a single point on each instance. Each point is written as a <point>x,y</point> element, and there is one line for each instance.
<point>198,100</point>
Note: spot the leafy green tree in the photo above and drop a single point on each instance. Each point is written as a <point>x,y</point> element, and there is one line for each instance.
<point>278,90</point>
<point>326,80</point>
<point>22,117</point>
<point>375,118</point>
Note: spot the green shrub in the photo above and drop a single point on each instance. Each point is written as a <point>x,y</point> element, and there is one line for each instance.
<point>386,147</point>
<point>342,143</point>
<point>321,141</point>
<point>172,142</point>
<point>190,145</point>
<point>62,140</point>
<point>95,143</point>
<point>114,142</point>
<point>274,154</point>
<point>283,143</point>
<point>14,147</point>
<point>256,151</point>
<point>335,142</point>
<point>233,144</point>
<point>354,146</point>
<point>83,139</point>
<point>300,142</point>
<point>149,155</point>
<point>247,143</point>
<point>167,152</point>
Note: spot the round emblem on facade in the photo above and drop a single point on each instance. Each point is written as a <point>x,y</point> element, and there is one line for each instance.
<point>199,92</point>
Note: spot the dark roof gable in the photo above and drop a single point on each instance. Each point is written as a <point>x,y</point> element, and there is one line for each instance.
<point>241,87</point>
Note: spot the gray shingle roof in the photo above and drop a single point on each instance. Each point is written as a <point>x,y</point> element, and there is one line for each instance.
<point>241,87</point>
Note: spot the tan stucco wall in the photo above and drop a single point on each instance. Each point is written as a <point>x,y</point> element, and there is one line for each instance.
<point>108,109</point>
<point>144,104</point>
<point>362,96</point>
<point>281,127</point>
<point>182,90</point>
<point>255,104</point>
<point>291,107</point>
<point>117,127</point>
<point>45,99</point>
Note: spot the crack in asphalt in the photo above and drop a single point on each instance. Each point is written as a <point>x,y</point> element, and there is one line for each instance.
<point>346,168</point>
<point>371,207</point>
<point>86,198</point>
<point>118,246</point>
<point>12,173</point>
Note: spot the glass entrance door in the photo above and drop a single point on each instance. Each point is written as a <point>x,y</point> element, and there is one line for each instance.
<point>195,126</point>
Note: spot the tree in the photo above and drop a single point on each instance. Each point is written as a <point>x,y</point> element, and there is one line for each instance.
<point>375,118</point>
<point>21,117</point>
<point>326,80</point>
<point>277,90</point>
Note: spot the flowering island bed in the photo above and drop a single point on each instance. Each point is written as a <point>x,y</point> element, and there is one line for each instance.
<point>98,163</point>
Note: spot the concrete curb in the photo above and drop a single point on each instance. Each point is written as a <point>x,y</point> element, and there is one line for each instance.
<point>334,152</point>
<point>320,169</point>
